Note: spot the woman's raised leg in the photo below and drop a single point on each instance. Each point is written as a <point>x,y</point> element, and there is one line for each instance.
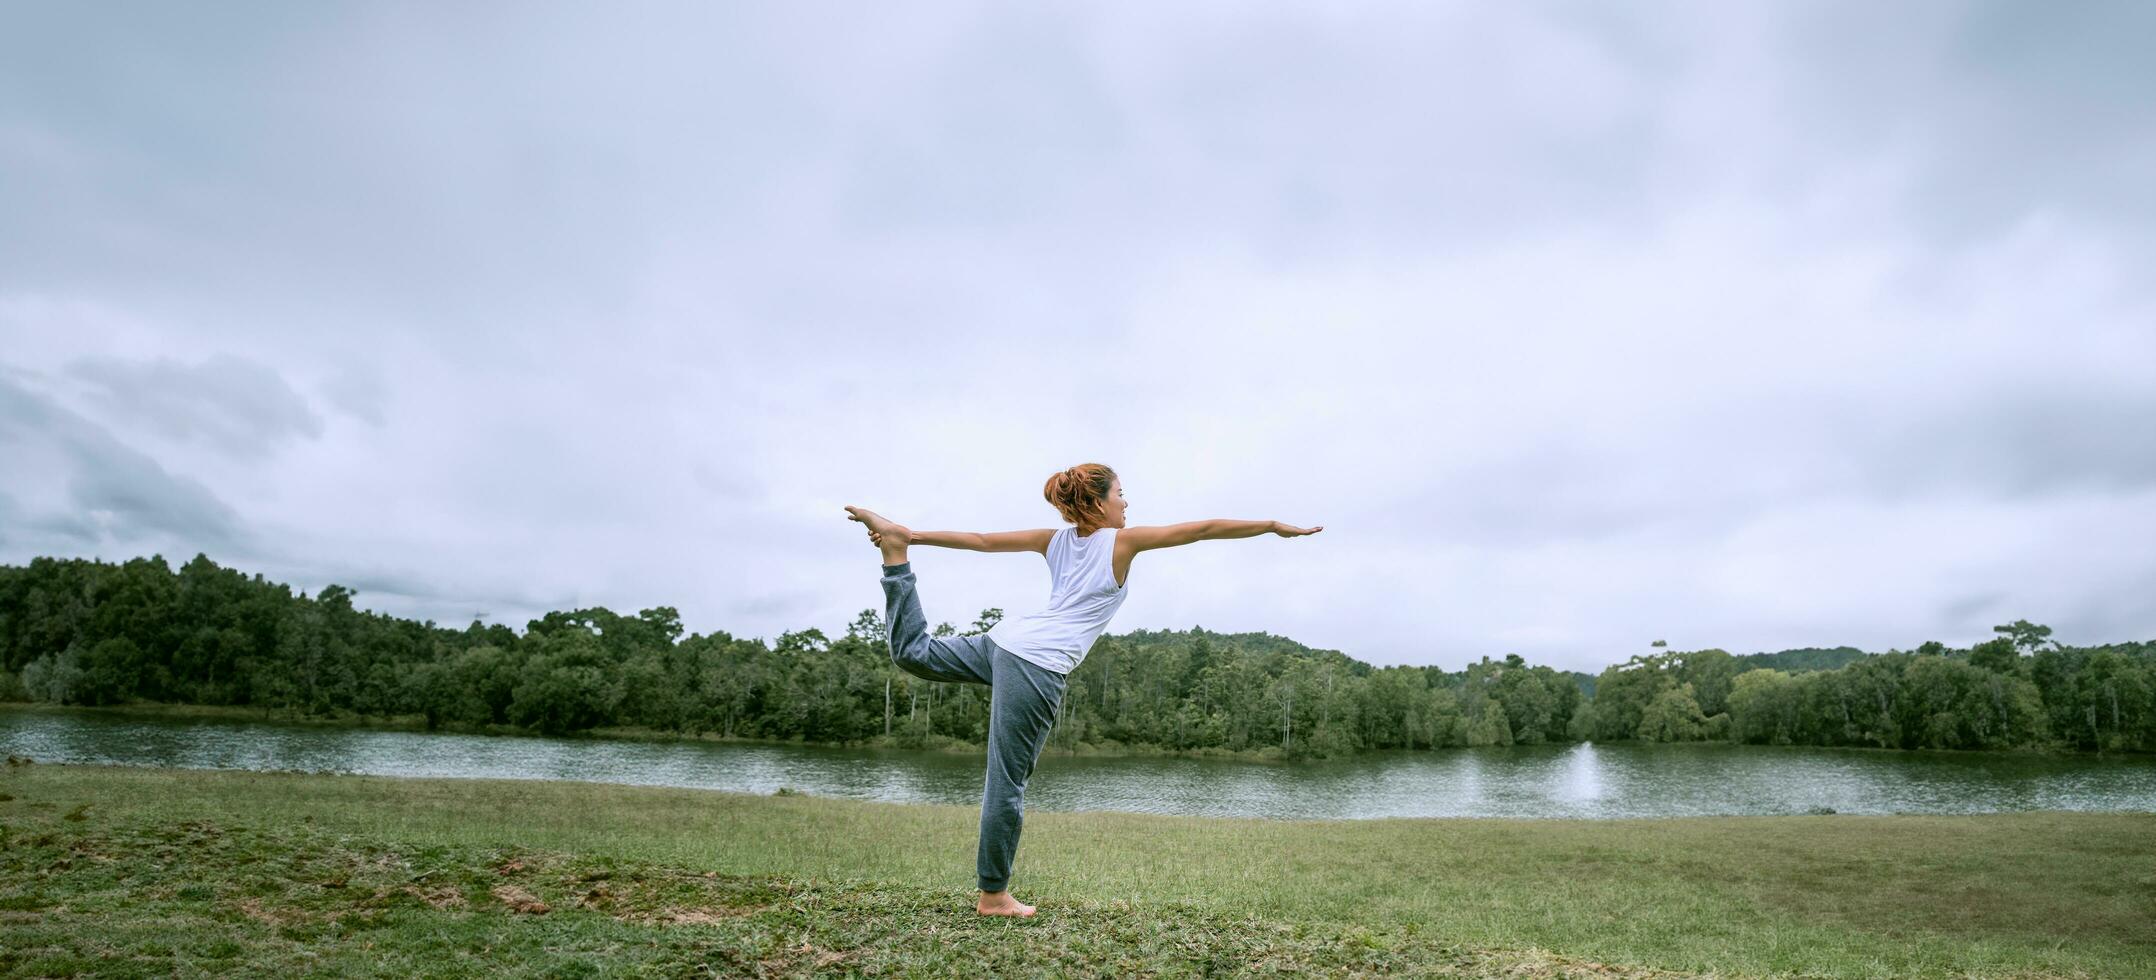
<point>912,649</point>
<point>956,659</point>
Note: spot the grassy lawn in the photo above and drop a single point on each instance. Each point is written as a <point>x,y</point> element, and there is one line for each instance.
<point>118,871</point>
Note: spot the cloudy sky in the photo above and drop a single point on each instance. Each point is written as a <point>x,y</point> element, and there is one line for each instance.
<point>1576,326</point>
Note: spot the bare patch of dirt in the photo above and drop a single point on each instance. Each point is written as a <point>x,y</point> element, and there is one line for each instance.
<point>697,916</point>
<point>809,955</point>
<point>440,896</point>
<point>253,909</point>
<point>520,900</point>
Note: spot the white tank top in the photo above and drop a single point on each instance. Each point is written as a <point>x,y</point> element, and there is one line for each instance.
<point>1082,598</point>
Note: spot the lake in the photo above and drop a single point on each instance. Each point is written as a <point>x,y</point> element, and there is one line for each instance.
<point>1569,781</point>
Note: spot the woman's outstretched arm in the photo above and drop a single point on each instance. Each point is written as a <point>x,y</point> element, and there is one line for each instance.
<point>1172,535</point>
<point>990,541</point>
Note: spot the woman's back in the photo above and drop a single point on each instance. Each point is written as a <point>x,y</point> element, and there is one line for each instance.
<point>1083,596</point>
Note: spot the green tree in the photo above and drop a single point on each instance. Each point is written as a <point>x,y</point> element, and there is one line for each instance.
<point>986,621</point>
<point>1996,655</point>
<point>2026,636</point>
<point>568,685</point>
<point>1763,708</point>
<point>1531,699</point>
<point>1623,692</point>
<point>55,679</point>
<point>1482,720</point>
<point>1673,716</point>
<point>1710,672</point>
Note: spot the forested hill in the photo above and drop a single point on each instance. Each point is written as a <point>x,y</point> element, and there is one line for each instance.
<point>81,631</point>
<point>1266,643</point>
<point>1787,661</point>
<point>1244,644</point>
<point>1808,658</point>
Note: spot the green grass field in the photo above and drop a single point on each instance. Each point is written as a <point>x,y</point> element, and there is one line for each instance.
<point>124,871</point>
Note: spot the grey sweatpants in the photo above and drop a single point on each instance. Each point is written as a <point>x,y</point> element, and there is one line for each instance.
<point>1022,702</point>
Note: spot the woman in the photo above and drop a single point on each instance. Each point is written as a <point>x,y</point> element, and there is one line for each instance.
<point>1025,661</point>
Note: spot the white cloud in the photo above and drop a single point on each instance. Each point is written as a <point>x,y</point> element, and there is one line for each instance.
<point>1577,328</point>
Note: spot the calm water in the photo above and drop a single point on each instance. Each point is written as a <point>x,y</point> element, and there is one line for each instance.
<point>1521,781</point>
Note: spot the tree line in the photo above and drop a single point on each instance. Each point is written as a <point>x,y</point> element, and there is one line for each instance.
<point>76,631</point>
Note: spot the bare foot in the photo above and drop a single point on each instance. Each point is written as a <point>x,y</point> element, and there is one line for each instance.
<point>892,538</point>
<point>1001,903</point>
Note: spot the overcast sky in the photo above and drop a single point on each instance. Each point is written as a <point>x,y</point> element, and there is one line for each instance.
<point>1577,327</point>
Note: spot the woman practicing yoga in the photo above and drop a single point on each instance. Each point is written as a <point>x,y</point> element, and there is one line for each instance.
<point>1024,661</point>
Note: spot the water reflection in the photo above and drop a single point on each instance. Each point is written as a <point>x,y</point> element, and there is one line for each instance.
<point>1588,781</point>
<point>1580,781</point>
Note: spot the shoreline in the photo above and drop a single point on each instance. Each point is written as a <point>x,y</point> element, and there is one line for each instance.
<point>417,725</point>
<point>1271,756</point>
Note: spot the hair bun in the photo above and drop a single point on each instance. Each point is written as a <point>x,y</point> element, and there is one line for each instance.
<point>1080,493</point>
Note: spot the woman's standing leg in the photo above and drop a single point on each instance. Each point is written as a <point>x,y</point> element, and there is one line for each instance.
<point>1021,708</point>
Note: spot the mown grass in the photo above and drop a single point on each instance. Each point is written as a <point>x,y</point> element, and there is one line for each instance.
<point>114,870</point>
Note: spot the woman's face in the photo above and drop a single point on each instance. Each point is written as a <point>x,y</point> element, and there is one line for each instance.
<point>1115,504</point>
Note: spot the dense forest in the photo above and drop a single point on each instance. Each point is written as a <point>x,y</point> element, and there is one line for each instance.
<point>77,631</point>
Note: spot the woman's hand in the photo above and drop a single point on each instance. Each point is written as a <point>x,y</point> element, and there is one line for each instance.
<point>1291,531</point>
